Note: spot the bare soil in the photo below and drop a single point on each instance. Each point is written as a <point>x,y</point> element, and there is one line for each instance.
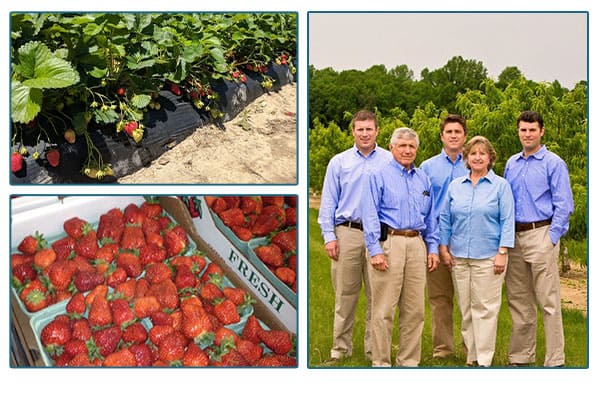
<point>573,287</point>
<point>257,146</point>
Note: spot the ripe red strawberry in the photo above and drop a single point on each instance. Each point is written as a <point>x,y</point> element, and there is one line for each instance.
<point>184,279</point>
<point>115,277</point>
<point>87,246</point>
<point>53,157</point>
<point>251,204</point>
<point>122,314</point>
<point>225,335</point>
<point>264,225</point>
<point>111,226</point>
<point>55,335</point>
<point>158,332</point>
<point>166,294</point>
<point>227,357</point>
<point>133,237</point>
<point>150,225</point>
<point>34,296</point>
<point>135,333</point>
<point>44,257</point>
<point>141,287</point>
<point>152,253</point>
<point>64,247</point>
<point>146,306</point>
<point>290,216</point>
<point>142,354</point>
<point>23,273</point>
<point>194,356</point>
<point>61,273</point>
<point>126,289</point>
<point>76,227</point>
<point>252,352</point>
<point>76,306</point>
<point>121,91</point>
<point>251,330</point>
<point>291,201</point>
<point>268,360</point>
<point>100,313</point>
<point>151,208</point>
<point>211,269</point>
<point>219,205</point>
<point>226,311</point>
<point>278,341</point>
<point>237,295</point>
<point>161,318</point>
<point>176,240</point>
<point>175,89</point>
<point>171,349</point>
<point>210,291</point>
<point>232,217</point>
<point>291,262</point>
<point>87,280</point>
<point>16,162</point>
<point>278,201</point>
<point>286,275</point>
<point>158,272</point>
<point>120,358</point>
<point>271,255</point>
<point>74,347</point>
<point>107,339</point>
<point>130,262</point>
<point>32,243</point>
<point>195,324</point>
<point>285,240</point>
<point>107,252</point>
<point>81,329</point>
<point>98,291</point>
<point>130,127</point>
<point>242,233</point>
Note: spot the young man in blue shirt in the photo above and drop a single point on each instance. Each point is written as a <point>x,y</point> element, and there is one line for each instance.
<point>340,218</point>
<point>441,170</point>
<point>543,203</point>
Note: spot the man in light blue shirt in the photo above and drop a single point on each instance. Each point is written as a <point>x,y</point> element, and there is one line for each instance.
<point>543,203</point>
<point>340,218</point>
<point>401,235</point>
<point>441,170</point>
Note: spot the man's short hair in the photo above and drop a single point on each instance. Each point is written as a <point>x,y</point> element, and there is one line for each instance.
<point>364,115</point>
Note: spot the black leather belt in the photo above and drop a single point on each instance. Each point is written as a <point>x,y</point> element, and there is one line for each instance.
<point>350,224</point>
<point>526,226</point>
<point>403,232</point>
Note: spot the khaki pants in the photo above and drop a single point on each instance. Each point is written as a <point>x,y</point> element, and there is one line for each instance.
<point>347,275</point>
<point>479,296</point>
<point>440,292</point>
<point>533,279</point>
<point>401,286</point>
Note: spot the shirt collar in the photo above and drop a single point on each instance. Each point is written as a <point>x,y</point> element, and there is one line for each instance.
<point>458,158</point>
<point>358,152</point>
<point>538,154</point>
<point>490,176</point>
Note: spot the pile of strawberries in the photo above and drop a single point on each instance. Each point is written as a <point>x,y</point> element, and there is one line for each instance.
<point>270,217</point>
<point>137,296</point>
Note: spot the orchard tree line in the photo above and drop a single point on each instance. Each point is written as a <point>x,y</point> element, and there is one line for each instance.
<point>463,87</point>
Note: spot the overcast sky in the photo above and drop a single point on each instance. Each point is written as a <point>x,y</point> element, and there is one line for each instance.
<point>544,46</point>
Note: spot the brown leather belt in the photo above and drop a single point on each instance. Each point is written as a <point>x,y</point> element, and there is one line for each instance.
<point>350,224</point>
<point>526,226</point>
<point>403,232</point>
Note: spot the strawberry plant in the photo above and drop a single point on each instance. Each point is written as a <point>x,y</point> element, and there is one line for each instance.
<point>83,72</point>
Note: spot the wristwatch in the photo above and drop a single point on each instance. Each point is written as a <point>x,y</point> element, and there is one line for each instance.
<point>502,252</point>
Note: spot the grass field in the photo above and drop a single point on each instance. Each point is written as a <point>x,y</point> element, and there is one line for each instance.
<point>320,323</point>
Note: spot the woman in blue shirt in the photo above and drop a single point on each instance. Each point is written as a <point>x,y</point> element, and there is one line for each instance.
<point>477,226</point>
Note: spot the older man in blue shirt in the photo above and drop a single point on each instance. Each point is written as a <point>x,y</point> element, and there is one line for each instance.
<point>543,203</point>
<point>340,218</point>
<point>401,235</point>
